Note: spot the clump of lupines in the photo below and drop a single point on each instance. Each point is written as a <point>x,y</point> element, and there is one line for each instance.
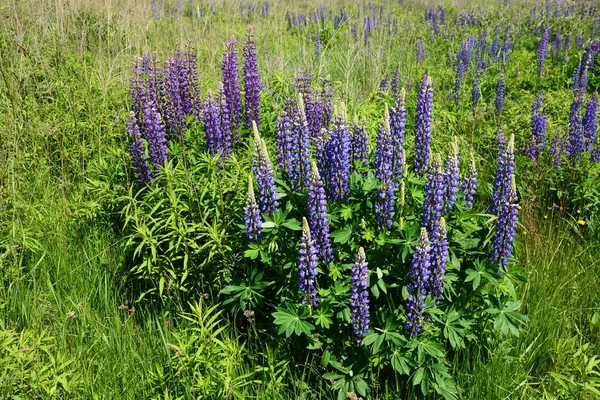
<point>504,170</point>
<point>360,142</point>
<point>231,86</point>
<point>359,297</point>
<point>337,152</point>
<point>317,215</point>
<point>155,135</point>
<point>537,143</point>
<point>439,259</point>
<point>419,275</point>
<point>307,267</point>
<point>575,135</point>
<point>469,183</point>
<point>452,177</point>
<point>252,84</point>
<point>137,150</point>
<point>434,195</point>
<point>589,121</point>
<point>506,227</point>
<point>265,177</point>
<point>500,95</point>
<point>252,220</point>
<point>423,125</point>
<point>397,132</point>
<point>543,51</point>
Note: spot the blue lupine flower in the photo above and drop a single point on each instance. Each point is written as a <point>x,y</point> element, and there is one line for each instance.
<point>419,275</point>
<point>212,125</point>
<point>506,228</point>
<point>543,50</point>
<point>231,86</point>
<point>137,150</point>
<point>252,219</point>
<point>452,178</point>
<point>318,46</point>
<point>397,131</point>
<point>307,267</point>
<point>434,195</point>
<point>575,135</point>
<point>359,297</point>
<point>337,152</point>
<point>360,142</point>
<point>500,95</point>
<point>300,151</point>
<point>460,74</point>
<point>317,215</point>
<point>252,84</point>
<point>439,259</point>
<point>265,177</point>
<point>155,135</point>
<point>589,121</point>
<point>504,170</point>
<point>423,125</point>
<point>284,136</point>
<point>537,143</point>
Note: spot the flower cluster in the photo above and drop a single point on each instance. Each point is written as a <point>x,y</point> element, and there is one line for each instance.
<point>423,125</point>
<point>589,121</point>
<point>500,95</point>
<point>504,170</point>
<point>397,132</point>
<point>452,178</point>
<point>537,143</point>
<point>542,51</point>
<point>337,152</point>
<point>438,259</point>
<point>417,288</point>
<point>317,215</point>
<point>252,220</point>
<point>252,84</point>
<point>137,150</point>
<point>384,154</point>
<point>307,267</point>
<point>265,177</point>
<point>360,142</point>
<point>359,297</point>
<point>506,227</point>
<point>575,134</point>
<point>434,194</point>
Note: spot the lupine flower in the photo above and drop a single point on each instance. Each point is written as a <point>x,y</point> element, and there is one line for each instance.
<point>420,51</point>
<point>359,297</point>
<point>537,143</point>
<point>575,135</point>
<point>212,125</point>
<point>176,104</point>
<point>231,86</point>
<point>452,178</point>
<point>307,267</point>
<point>263,172</point>
<point>589,121</point>
<point>191,68</point>
<point>506,227</point>
<point>384,84</point>
<point>469,184</point>
<point>225,124</point>
<point>500,94</point>
<point>318,46</point>
<point>284,137</point>
<point>419,275</point>
<point>543,50</point>
<point>337,152</point>
<point>360,142</point>
<point>327,103</point>
<point>504,170</point>
<point>396,81</point>
<point>155,135</point>
<point>397,131</point>
<point>317,215</point>
<point>138,92</point>
<point>555,150</point>
<point>476,92</point>
<point>384,207</point>
<point>252,220</point>
<point>460,74</point>
<point>300,151</point>
<point>423,125</point>
<point>439,259</point>
<point>137,150</point>
<point>434,195</point>
<point>252,84</point>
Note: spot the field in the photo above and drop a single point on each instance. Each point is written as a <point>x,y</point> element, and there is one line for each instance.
<point>299,200</point>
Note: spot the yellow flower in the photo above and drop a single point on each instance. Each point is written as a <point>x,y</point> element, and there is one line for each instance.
<point>519,207</point>
<point>545,217</point>
<point>524,232</point>
<point>578,211</point>
<point>581,222</point>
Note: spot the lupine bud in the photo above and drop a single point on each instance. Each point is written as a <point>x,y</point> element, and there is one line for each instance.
<point>359,297</point>
<point>300,151</point>
<point>423,125</point>
<point>317,215</point>
<point>137,150</point>
<point>318,45</point>
<point>252,220</point>
<point>420,51</point>
<point>460,74</point>
<point>469,184</point>
<point>252,84</point>
<point>419,275</point>
<point>476,92</point>
<point>439,259</point>
<point>396,81</point>
<point>307,267</point>
<point>402,200</point>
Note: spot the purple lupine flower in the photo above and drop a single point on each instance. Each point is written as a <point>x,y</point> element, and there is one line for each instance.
<point>326,103</point>
<point>439,259</point>
<point>500,95</point>
<point>434,195</point>
<point>155,136</point>
<point>589,121</point>
<point>506,227</point>
<point>137,150</point>
<point>583,79</point>
<point>265,177</point>
<point>543,50</point>
<point>231,86</point>
<point>494,50</point>
<point>226,145</point>
<point>556,148</point>
<point>420,51</point>
<point>318,46</point>
<point>575,79</point>
<point>396,81</point>
<point>504,170</point>
<point>476,92</point>
<point>191,67</point>
<point>469,184</point>
<point>579,41</point>
<point>419,275</point>
<point>537,143</point>
<point>317,215</point>
<point>354,30</point>
<point>299,149</point>
<point>423,125</point>
<point>452,178</point>
<point>156,86</point>
<point>460,74</point>
<point>567,45</point>
<point>575,134</point>
<point>384,84</point>
<point>138,92</point>
<point>252,84</point>
<point>397,130</point>
<point>284,137</point>
<point>360,142</point>
<point>252,220</point>
<point>212,125</point>
<point>359,297</point>
<point>174,89</point>
<point>337,152</point>
<point>384,206</point>
<point>307,267</point>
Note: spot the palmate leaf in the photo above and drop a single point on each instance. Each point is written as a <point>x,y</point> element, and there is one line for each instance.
<point>508,319</point>
<point>292,320</point>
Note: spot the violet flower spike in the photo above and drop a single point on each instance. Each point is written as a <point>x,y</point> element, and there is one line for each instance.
<point>359,297</point>
<point>307,267</point>
<point>419,275</point>
<point>252,218</point>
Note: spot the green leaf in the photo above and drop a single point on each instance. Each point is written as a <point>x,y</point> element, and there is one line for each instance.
<point>342,235</point>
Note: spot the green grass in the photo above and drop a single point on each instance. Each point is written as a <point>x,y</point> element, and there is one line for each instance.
<point>64,70</point>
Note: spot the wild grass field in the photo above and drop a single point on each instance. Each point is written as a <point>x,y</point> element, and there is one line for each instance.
<point>417,214</point>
